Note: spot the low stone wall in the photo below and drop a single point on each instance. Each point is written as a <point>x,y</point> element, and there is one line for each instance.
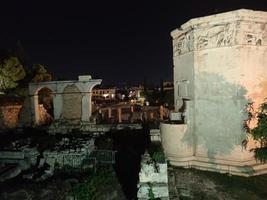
<point>23,159</point>
<point>71,156</point>
<point>64,127</point>
<point>13,116</point>
<point>64,158</point>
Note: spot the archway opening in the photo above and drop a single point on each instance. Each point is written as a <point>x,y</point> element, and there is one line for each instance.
<point>46,107</point>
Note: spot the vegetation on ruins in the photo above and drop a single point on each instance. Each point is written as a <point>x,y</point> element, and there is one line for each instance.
<point>151,195</point>
<point>92,188</point>
<point>259,132</point>
<point>156,153</point>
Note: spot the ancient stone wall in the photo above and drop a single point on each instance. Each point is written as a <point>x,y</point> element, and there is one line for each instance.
<point>72,99</point>
<point>25,115</point>
<point>10,115</point>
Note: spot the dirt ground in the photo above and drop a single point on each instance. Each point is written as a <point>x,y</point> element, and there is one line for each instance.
<point>185,184</point>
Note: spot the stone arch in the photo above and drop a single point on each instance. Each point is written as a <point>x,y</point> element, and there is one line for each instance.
<point>63,91</point>
<point>62,87</point>
<point>91,86</point>
<point>36,90</point>
<point>72,106</point>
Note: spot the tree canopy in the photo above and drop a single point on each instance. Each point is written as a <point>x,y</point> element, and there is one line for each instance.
<point>40,74</point>
<point>11,71</point>
<point>14,77</point>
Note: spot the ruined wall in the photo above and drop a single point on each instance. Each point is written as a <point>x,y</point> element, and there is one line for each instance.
<point>12,116</point>
<point>25,115</point>
<point>9,116</point>
<point>72,107</point>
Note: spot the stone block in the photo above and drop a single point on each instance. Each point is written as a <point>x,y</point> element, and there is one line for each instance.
<point>85,78</point>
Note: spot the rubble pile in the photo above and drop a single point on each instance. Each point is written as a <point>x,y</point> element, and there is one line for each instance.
<point>21,156</point>
<point>68,152</point>
<point>21,159</point>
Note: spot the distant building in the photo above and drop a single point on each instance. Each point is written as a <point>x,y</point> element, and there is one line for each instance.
<point>104,94</point>
<point>135,92</point>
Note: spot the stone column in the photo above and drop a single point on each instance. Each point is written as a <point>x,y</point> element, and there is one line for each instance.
<point>85,85</point>
<point>90,104</point>
<point>131,115</point>
<point>119,115</point>
<point>58,104</point>
<point>35,109</point>
<point>161,112</point>
<point>103,114</point>
<point>86,107</point>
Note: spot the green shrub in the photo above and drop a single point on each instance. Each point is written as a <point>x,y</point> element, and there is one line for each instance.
<point>258,133</point>
<point>93,186</point>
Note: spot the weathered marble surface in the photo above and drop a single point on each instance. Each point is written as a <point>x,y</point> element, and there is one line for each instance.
<point>219,67</point>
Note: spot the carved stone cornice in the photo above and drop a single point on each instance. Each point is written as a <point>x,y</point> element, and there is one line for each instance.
<point>246,27</point>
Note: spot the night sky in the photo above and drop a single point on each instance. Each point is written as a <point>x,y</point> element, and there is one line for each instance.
<point>119,42</point>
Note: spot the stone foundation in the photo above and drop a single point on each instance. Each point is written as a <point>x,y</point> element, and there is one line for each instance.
<point>180,149</point>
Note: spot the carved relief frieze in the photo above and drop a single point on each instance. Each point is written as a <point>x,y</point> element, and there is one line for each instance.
<point>252,33</point>
<point>220,35</point>
<point>252,38</point>
<point>225,37</point>
<point>202,41</point>
<point>215,36</point>
<point>183,43</point>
